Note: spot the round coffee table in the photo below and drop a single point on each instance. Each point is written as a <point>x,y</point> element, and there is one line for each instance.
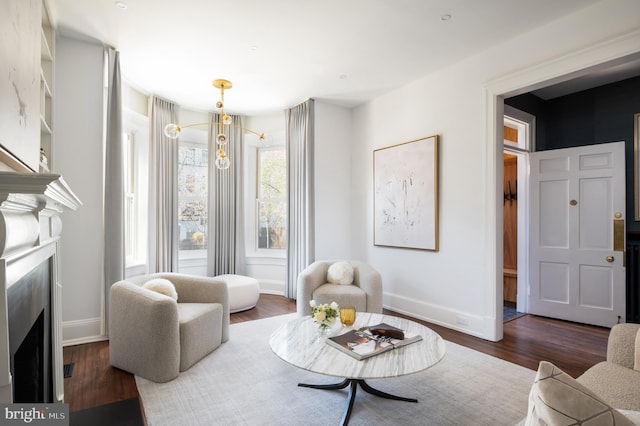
<point>298,343</point>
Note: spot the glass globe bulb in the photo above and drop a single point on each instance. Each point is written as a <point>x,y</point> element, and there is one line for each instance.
<point>223,163</point>
<point>266,140</point>
<point>172,131</point>
<point>221,139</point>
<point>226,119</point>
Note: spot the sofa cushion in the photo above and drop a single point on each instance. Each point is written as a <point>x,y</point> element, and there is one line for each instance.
<point>343,295</point>
<point>558,399</point>
<point>198,334</point>
<point>340,273</point>
<point>617,385</point>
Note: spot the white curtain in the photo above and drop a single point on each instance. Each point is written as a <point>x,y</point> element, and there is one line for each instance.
<point>300,227</point>
<point>163,188</point>
<point>226,250</point>
<point>114,247</point>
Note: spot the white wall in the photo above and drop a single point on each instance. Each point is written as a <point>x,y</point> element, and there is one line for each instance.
<point>332,181</point>
<point>458,286</point>
<point>79,159</point>
<point>134,100</point>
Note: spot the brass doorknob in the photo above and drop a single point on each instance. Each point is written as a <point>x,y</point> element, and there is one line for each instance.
<point>610,259</point>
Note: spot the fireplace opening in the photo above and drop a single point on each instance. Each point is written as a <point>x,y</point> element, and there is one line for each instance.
<point>30,366</point>
<point>29,309</point>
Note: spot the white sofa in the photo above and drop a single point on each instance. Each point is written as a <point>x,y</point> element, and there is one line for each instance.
<point>606,394</point>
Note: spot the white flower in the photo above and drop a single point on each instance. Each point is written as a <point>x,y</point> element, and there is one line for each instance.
<point>324,314</point>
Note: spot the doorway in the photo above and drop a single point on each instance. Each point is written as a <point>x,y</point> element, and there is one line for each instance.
<point>510,240</point>
<point>519,139</point>
<point>546,74</point>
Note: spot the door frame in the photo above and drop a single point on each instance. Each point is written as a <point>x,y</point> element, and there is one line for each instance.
<point>595,57</point>
<point>522,153</point>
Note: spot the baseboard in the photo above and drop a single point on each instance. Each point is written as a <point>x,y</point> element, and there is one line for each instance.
<point>464,322</point>
<point>271,286</point>
<point>82,331</point>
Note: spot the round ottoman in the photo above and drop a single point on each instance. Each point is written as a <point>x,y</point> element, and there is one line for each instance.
<point>243,291</point>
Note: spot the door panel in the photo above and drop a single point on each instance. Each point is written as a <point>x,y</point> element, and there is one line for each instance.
<point>596,287</point>
<point>595,229</point>
<point>554,282</point>
<point>577,194</point>
<point>554,227</point>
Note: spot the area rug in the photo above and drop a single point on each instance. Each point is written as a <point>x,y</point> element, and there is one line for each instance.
<point>122,413</point>
<point>244,383</point>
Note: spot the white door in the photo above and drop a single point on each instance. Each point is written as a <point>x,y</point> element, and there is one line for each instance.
<point>577,234</point>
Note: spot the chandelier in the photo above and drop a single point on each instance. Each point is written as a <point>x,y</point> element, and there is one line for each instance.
<point>222,162</point>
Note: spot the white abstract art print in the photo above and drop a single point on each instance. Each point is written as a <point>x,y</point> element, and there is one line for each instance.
<point>406,195</point>
<point>20,80</point>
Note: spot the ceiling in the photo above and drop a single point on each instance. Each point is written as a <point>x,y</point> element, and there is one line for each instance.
<point>281,52</point>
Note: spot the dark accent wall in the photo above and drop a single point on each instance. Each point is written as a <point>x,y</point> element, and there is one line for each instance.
<point>600,115</point>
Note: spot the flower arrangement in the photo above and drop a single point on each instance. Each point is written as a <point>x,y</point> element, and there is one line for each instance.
<point>324,315</point>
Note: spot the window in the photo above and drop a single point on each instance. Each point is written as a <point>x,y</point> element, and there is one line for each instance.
<point>271,199</point>
<point>130,205</point>
<point>136,159</point>
<point>192,196</point>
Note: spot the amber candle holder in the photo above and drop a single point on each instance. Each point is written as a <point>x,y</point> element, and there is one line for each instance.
<point>347,315</point>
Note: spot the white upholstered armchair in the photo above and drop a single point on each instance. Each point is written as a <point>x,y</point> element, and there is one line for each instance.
<point>365,292</point>
<point>153,336</point>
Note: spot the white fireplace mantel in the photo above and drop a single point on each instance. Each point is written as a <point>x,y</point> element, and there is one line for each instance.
<point>30,230</point>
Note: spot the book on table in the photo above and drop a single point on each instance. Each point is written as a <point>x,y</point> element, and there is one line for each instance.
<point>372,340</point>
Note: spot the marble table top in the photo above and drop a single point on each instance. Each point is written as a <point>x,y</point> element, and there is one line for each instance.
<point>298,343</point>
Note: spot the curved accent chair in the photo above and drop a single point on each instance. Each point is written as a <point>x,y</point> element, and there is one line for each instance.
<point>153,336</point>
<point>365,293</point>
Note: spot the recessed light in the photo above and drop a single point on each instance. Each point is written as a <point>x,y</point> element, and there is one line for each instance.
<point>445,17</point>
<point>121,5</point>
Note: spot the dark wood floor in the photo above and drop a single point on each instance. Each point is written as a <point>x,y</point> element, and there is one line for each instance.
<point>527,340</point>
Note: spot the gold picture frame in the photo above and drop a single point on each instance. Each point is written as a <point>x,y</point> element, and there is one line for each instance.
<point>406,195</point>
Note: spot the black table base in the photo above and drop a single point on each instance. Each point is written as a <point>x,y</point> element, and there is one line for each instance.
<point>353,386</point>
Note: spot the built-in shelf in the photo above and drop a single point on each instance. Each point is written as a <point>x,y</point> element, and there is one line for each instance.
<point>47,58</point>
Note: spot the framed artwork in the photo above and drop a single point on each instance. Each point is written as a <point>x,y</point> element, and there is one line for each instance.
<point>406,195</point>
<point>636,164</point>
<point>20,83</point>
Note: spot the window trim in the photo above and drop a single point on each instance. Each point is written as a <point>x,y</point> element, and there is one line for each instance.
<point>251,192</point>
<point>136,127</point>
<point>194,139</point>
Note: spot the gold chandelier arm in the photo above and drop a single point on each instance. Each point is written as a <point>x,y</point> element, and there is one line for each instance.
<point>260,135</point>
<point>196,124</point>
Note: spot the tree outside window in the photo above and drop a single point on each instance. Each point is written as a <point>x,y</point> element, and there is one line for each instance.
<point>192,196</point>
<point>271,201</point>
